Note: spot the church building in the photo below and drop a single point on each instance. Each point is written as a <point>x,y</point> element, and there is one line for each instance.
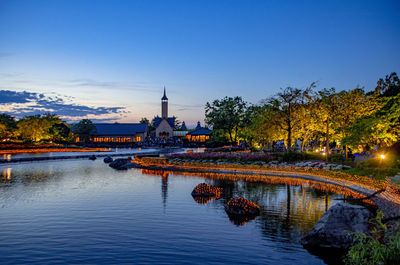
<point>165,125</point>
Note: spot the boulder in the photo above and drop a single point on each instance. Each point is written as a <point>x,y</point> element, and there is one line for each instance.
<point>92,157</point>
<point>205,190</point>
<point>120,163</point>
<point>108,159</point>
<point>334,229</point>
<point>241,207</point>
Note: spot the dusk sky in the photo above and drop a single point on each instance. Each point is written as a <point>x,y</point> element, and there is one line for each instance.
<point>109,60</point>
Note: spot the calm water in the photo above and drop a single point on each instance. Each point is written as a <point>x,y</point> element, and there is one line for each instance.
<point>80,211</point>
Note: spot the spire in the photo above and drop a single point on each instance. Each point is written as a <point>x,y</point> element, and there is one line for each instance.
<point>198,125</point>
<point>165,95</point>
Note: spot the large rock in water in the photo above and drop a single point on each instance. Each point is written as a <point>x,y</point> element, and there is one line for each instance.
<point>334,229</point>
<point>120,163</point>
<point>241,207</point>
<point>205,190</point>
<point>108,159</point>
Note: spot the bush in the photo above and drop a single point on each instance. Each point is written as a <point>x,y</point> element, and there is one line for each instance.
<point>381,247</point>
<point>253,149</point>
<point>296,156</point>
<point>336,158</point>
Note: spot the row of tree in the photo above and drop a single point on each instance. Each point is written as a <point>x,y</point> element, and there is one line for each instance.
<point>347,118</point>
<point>48,127</point>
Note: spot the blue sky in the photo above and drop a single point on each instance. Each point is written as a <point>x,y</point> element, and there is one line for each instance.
<point>116,56</point>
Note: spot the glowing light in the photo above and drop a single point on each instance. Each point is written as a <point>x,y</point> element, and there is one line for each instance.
<point>382,156</point>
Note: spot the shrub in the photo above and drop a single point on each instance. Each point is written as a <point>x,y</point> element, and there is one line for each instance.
<point>381,247</point>
<point>336,158</point>
<point>296,156</point>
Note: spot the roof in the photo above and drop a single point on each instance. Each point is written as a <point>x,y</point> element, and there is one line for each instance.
<point>120,128</point>
<point>200,131</point>
<point>170,120</point>
<point>183,127</point>
<point>165,96</point>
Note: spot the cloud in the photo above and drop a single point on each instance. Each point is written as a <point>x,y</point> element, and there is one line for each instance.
<point>25,103</point>
<point>91,83</point>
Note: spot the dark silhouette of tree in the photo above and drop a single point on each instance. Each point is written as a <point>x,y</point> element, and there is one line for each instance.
<point>85,129</point>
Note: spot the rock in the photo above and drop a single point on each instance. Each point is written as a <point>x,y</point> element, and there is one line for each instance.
<point>92,157</point>
<point>334,229</point>
<point>205,190</point>
<point>120,163</point>
<point>241,206</point>
<point>108,159</point>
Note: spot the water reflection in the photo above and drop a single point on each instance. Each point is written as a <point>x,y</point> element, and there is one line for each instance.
<point>204,200</point>
<point>241,220</point>
<point>289,207</point>
<point>6,175</point>
<point>61,203</point>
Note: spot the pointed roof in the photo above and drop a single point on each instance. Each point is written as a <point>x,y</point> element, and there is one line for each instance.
<point>165,95</point>
<point>183,127</point>
<point>170,120</point>
<point>198,125</point>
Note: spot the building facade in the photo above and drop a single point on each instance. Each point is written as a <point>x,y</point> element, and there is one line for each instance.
<point>165,125</point>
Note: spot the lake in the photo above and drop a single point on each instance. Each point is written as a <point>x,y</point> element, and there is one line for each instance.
<point>81,211</point>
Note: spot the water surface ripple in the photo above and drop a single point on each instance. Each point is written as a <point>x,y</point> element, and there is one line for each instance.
<point>80,211</point>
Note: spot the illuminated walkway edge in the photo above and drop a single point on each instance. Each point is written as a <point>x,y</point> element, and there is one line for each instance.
<point>388,201</point>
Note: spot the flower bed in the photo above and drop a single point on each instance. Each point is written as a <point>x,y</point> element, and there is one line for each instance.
<point>226,157</point>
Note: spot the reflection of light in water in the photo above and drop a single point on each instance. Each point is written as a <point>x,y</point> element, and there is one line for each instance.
<point>7,157</point>
<point>7,173</point>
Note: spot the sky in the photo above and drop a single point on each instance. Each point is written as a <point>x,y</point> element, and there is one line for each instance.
<point>109,60</point>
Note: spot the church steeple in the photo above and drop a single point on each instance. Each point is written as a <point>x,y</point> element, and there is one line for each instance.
<point>165,95</point>
<point>164,106</point>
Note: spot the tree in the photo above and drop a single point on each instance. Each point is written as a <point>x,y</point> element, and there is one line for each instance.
<point>352,105</point>
<point>265,128</point>
<point>286,105</point>
<point>37,128</point>
<point>388,87</point>
<point>8,126</point>
<point>380,124</point>
<point>145,121</point>
<point>60,132</point>
<point>226,115</point>
<point>85,129</point>
<point>327,108</point>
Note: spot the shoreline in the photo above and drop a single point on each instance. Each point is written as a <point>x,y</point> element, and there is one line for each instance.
<point>46,158</point>
<point>49,150</point>
<point>386,201</point>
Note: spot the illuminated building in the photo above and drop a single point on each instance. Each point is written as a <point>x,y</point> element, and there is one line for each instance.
<point>199,134</point>
<point>165,126</point>
<point>118,133</point>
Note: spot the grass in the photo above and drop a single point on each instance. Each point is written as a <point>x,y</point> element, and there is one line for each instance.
<point>377,167</point>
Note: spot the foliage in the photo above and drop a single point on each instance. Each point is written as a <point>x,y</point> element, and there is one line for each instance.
<point>286,106</point>
<point>217,139</point>
<point>226,115</point>
<point>224,149</point>
<point>8,125</point>
<point>85,128</point>
<point>60,132</point>
<point>377,167</point>
<point>381,247</point>
<point>37,128</point>
<point>306,119</point>
<point>296,156</point>
<point>227,157</point>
